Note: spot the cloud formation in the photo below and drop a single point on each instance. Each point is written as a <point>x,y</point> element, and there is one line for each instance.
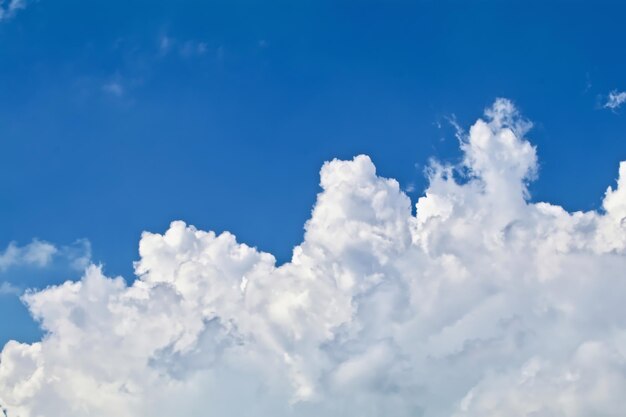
<point>615,100</point>
<point>483,304</point>
<point>21,266</point>
<point>36,253</point>
<point>8,8</point>
<point>41,254</point>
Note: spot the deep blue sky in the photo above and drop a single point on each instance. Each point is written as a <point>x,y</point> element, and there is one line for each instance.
<point>121,116</point>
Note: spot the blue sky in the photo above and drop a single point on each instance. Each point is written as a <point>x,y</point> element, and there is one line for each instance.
<point>118,117</point>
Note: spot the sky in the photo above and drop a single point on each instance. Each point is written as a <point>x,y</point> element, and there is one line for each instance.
<point>310,130</point>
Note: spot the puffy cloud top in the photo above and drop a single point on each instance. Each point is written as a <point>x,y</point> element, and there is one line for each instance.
<point>482,304</point>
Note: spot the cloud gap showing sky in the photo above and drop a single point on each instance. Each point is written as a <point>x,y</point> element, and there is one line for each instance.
<point>481,304</point>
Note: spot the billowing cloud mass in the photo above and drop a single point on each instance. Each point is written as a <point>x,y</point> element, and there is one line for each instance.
<point>483,304</point>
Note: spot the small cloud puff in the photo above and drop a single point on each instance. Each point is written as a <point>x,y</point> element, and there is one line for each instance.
<point>482,304</point>
<point>615,100</point>
<point>37,253</point>
<point>41,254</point>
<point>19,265</point>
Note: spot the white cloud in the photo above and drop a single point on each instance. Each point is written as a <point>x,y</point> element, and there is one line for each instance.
<point>41,254</point>
<point>36,253</point>
<point>615,100</point>
<point>78,255</point>
<point>39,257</point>
<point>483,304</point>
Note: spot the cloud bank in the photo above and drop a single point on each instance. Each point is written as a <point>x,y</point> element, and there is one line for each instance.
<point>482,304</point>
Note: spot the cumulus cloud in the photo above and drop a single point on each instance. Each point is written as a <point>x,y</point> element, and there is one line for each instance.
<point>615,100</point>
<point>481,304</point>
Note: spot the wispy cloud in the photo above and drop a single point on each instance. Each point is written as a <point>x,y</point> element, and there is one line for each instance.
<point>615,100</point>
<point>10,8</point>
<point>6,288</point>
<point>114,88</point>
<point>37,253</point>
<point>39,257</point>
<point>193,48</point>
<point>165,43</point>
<point>41,254</point>
<point>185,48</point>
